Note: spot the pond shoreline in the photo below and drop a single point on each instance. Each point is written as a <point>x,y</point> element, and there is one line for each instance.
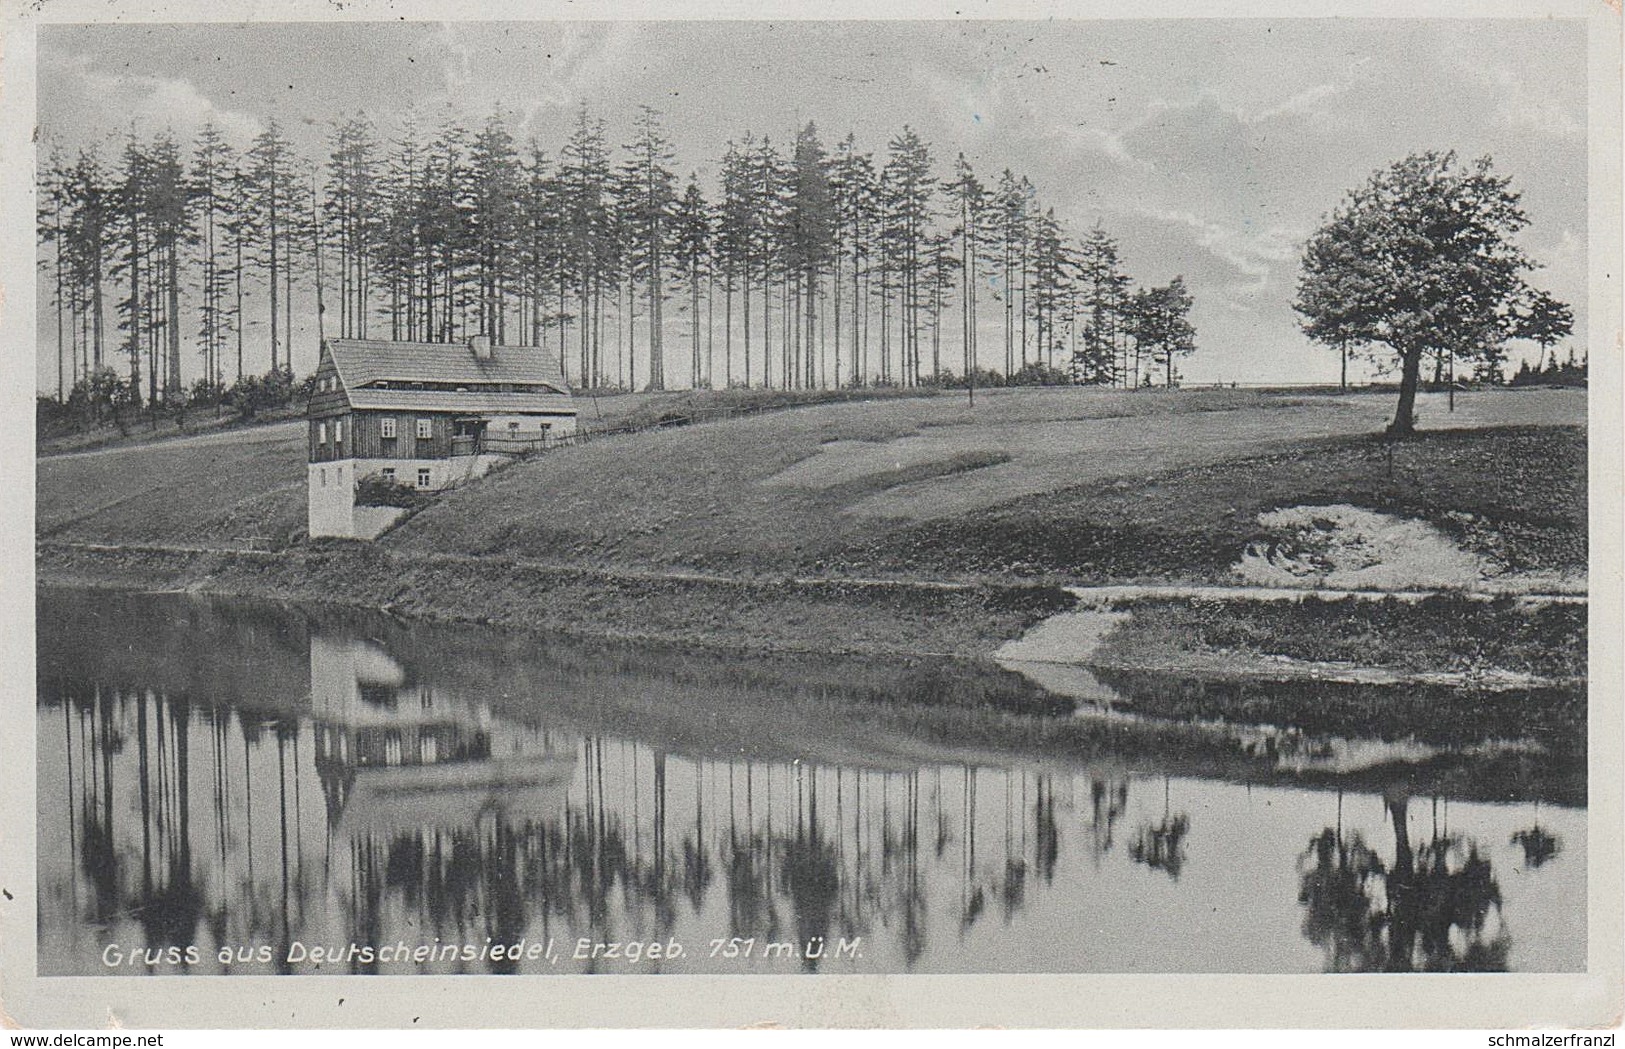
<point>981,620</point>
<point>895,709</point>
<point>911,624</point>
<point>762,615</point>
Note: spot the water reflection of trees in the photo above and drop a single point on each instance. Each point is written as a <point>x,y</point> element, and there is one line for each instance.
<point>293,841</point>
<point>137,694</point>
<point>138,839</point>
<point>592,867</point>
<point>195,820</point>
<point>1539,846</point>
<point>1109,801</point>
<point>1160,844</point>
<point>1427,909</point>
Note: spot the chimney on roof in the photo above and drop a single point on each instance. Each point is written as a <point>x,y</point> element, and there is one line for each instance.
<point>481,345</point>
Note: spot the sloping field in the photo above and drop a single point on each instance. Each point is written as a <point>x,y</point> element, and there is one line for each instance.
<point>223,489</point>
<point>707,496</point>
<point>231,487</point>
<point>811,488</point>
<point>860,485</point>
<point>1034,456</point>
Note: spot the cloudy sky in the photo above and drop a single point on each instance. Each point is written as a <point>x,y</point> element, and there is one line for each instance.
<point>1210,148</point>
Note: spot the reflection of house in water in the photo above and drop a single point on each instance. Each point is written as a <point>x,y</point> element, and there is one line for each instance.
<point>394,753</point>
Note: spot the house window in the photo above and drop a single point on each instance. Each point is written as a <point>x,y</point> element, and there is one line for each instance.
<point>338,432</point>
<point>425,429</point>
<point>321,433</point>
<point>388,424</point>
<point>389,474</point>
<point>423,477</point>
<point>324,478</point>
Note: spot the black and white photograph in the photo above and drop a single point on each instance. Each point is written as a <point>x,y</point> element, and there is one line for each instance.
<point>967,493</point>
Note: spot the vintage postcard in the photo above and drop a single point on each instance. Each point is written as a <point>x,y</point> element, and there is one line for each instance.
<point>875,515</point>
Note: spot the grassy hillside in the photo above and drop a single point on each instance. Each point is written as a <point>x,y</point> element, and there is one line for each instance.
<point>1514,495</point>
<point>224,489</point>
<point>1062,483</point>
<point>1040,487</point>
<point>240,485</point>
<point>740,495</point>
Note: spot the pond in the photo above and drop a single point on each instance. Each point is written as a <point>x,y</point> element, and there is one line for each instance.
<point>232,787</point>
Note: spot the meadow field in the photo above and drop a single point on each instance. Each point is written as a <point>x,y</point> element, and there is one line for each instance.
<point>1053,483</point>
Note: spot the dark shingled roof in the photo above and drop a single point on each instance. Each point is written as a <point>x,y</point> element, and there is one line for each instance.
<point>363,361</point>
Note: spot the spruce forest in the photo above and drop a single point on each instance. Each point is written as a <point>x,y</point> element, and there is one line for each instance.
<point>174,268</point>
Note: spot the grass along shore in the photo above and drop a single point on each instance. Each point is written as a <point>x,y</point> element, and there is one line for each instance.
<point>1442,636</point>
<point>708,612</point>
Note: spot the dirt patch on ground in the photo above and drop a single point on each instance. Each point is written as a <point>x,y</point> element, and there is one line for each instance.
<point>1348,547</point>
<point>1070,637</point>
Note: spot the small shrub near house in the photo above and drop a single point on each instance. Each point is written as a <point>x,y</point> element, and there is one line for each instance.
<point>253,394</point>
<point>381,491</point>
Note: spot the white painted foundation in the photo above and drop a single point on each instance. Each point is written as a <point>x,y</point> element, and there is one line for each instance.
<point>332,499</point>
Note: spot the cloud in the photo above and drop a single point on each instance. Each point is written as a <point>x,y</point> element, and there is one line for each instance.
<point>456,59</point>
<point>148,103</point>
<point>1106,143</point>
<point>1525,111</point>
<point>1304,102</point>
<point>178,104</point>
<point>545,72</point>
<point>1547,106</point>
<point>1250,259</point>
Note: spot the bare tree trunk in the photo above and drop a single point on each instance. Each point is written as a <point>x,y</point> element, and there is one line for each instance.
<point>135,312</point>
<point>61,369</point>
<point>237,282</point>
<point>836,308</point>
<point>274,289</point>
<point>1404,423</point>
<point>767,330</point>
<point>173,306</point>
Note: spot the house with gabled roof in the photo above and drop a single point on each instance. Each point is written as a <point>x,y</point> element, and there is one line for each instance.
<point>425,415</point>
